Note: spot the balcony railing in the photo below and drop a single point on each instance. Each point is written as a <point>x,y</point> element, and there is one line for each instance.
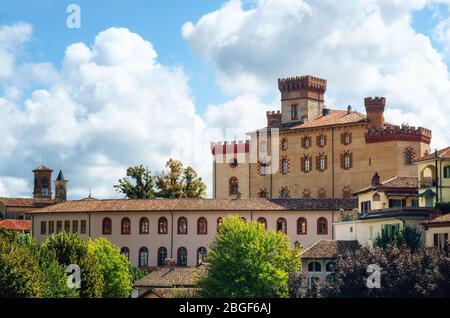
<point>427,182</point>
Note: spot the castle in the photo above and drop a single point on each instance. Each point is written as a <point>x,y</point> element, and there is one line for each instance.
<point>310,151</point>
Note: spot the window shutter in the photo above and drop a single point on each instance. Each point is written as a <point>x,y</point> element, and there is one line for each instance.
<point>302,164</point>
<point>351,160</point>
<point>324,140</point>
<point>342,160</point>
<point>350,138</point>
<point>302,141</point>
<point>342,138</point>
<point>325,166</point>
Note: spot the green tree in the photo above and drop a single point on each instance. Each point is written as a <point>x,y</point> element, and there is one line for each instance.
<point>20,274</point>
<point>176,182</point>
<point>136,273</point>
<point>247,261</point>
<point>407,235</point>
<point>114,268</point>
<point>141,188</point>
<point>71,249</point>
<point>179,182</point>
<point>404,273</point>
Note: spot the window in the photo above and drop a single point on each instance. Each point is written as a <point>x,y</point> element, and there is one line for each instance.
<point>262,221</point>
<point>262,147</point>
<point>107,226</point>
<point>219,223</point>
<point>322,193</point>
<point>321,140</point>
<point>408,156</point>
<point>346,138</point>
<point>365,206</point>
<point>347,192</point>
<point>284,144</point>
<point>440,240</point>
<point>143,257</point>
<point>284,166</point>
<point>314,267</point>
<point>329,267</point>
<point>395,203</point>
<point>263,168</point>
<point>447,172</point>
<point>125,252</point>
<point>44,186</point>
<point>182,257</point>
<point>162,255</point>
<point>284,193</point>
<point>58,226</point>
<point>162,225</point>
<point>43,227</point>
<point>233,186</point>
<point>143,226</point>
<point>321,163</point>
<point>301,226</point>
<point>74,226</point>
<point>282,225</point>
<point>306,142</point>
<point>125,226</point>
<point>294,112</point>
<point>346,160</point>
<point>201,253</point>
<point>233,163</point>
<point>262,193</point>
<point>67,226</point>
<point>202,226</point>
<point>322,226</point>
<point>415,203</point>
<point>83,227</point>
<point>182,225</point>
<point>51,227</point>
<point>306,163</point>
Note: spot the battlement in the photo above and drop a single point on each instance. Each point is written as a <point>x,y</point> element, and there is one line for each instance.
<point>230,147</point>
<point>375,101</point>
<point>398,133</point>
<point>273,119</point>
<point>299,83</point>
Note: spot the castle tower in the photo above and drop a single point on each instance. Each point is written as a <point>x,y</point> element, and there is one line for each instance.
<point>302,98</point>
<point>42,182</point>
<point>60,188</point>
<point>375,111</point>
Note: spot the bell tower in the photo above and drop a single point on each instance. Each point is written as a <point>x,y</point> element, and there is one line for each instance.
<point>42,182</point>
<point>60,188</point>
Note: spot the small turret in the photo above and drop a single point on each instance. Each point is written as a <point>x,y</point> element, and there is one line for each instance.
<point>60,188</point>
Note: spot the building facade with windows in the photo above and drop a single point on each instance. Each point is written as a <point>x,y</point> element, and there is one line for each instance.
<point>438,233</point>
<point>309,151</point>
<point>152,232</point>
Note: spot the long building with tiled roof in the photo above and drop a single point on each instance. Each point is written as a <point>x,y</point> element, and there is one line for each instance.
<point>149,231</point>
<point>308,150</point>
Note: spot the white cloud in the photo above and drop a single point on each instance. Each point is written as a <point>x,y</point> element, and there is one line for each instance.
<point>364,48</point>
<point>11,186</point>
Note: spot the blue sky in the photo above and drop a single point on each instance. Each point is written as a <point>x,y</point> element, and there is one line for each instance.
<point>106,103</point>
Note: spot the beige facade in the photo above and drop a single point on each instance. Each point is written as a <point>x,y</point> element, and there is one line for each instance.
<point>93,215</point>
<point>351,146</point>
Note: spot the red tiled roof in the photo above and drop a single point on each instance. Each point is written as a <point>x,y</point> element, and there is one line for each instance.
<point>398,182</point>
<point>17,202</point>
<point>443,153</point>
<point>441,219</point>
<point>169,277</point>
<point>329,249</point>
<point>17,225</point>
<point>126,205</point>
<point>334,117</point>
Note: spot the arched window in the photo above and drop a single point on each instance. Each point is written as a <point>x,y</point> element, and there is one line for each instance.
<point>201,253</point>
<point>301,226</point>
<point>202,226</point>
<point>284,144</point>
<point>322,162</point>
<point>182,257</point>
<point>346,160</point>
<point>162,255</point>
<point>106,226</point>
<point>262,221</point>
<point>329,266</point>
<point>284,166</point>
<point>305,163</point>
<point>162,225</point>
<point>322,226</point>
<point>234,186</point>
<point>282,225</point>
<point>143,226</point>
<point>314,267</point>
<point>182,225</point>
<point>143,257</point>
<point>125,252</point>
<point>126,226</point>
<point>219,223</point>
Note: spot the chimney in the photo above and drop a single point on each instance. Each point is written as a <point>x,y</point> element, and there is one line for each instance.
<point>375,111</point>
<point>349,109</point>
<point>376,180</point>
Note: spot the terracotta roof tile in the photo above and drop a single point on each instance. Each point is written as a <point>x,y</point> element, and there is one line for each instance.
<point>334,117</point>
<point>329,249</point>
<point>171,276</point>
<point>441,219</point>
<point>19,225</point>
<point>443,153</point>
<point>397,182</point>
<point>125,205</point>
